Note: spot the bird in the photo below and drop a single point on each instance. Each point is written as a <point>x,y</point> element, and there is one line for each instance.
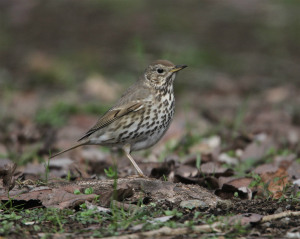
<point>142,115</point>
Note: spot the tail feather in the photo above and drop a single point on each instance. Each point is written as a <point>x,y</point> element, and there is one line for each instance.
<point>68,149</point>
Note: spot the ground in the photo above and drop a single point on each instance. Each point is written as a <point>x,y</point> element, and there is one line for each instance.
<point>230,158</point>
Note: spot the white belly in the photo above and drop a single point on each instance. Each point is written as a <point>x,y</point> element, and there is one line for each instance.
<point>149,141</point>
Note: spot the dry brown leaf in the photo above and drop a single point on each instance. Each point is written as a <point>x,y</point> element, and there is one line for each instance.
<point>207,182</point>
<point>215,170</point>
<point>161,169</point>
<point>223,180</point>
<point>186,171</point>
<point>256,150</point>
<point>56,197</point>
<point>236,182</point>
<point>192,159</point>
<point>206,146</point>
<point>244,219</point>
<point>227,192</point>
<point>239,185</point>
<point>294,170</point>
<point>7,175</point>
<point>284,159</point>
<point>270,168</point>
<point>64,197</point>
<point>276,181</point>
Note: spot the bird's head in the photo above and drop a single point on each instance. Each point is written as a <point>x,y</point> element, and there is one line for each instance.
<point>162,73</point>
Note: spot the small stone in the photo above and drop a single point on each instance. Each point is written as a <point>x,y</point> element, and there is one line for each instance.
<point>224,204</point>
<point>225,158</point>
<point>254,233</point>
<point>293,235</point>
<point>266,224</point>
<point>288,207</point>
<point>193,203</point>
<point>285,220</point>
<point>279,210</point>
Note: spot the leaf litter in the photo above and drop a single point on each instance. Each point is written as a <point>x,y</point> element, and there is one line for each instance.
<point>211,166</point>
<point>246,153</point>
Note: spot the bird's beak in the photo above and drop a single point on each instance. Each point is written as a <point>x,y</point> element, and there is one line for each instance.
<point>178,68</point>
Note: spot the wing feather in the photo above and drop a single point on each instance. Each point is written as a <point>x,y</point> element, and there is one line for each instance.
<point>131,100</point>
<point>113,115</point>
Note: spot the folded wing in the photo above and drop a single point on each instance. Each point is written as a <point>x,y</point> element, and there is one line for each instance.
<point>132,100</point>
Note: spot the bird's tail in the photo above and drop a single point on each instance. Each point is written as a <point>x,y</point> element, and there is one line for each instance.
<point>68,149</point>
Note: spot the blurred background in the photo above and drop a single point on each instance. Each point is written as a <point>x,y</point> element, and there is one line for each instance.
<point>64,63</point>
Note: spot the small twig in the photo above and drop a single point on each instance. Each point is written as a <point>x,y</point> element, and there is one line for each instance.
<point>167,231</point>
<point>279,215</point>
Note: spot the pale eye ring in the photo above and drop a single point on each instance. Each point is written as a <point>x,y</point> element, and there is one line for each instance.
<point>159,70</point>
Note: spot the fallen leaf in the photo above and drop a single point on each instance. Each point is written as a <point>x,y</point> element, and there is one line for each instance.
<point>281,158</point>
<point>244,219</point>
<point>297,182</point>
<point>206,146</point>
<point>122,191</point>
<point>7,175</point>
<point>186,171</point>
<point>240,182</point>
<point>56,197</point>
<point>207,182</point>
<point>276,182</point>
<point>192,160</point>
<point>96,208</point>
<point>247,193</point>
<point>215,170</point>
<point>64,197</point>
<point>163,170</point>
<point>294,170</point>
<point>228,191</point>
<point>257,149</point>
<point>222,180</point>
<point>266,168</point>
<point>153,222</point>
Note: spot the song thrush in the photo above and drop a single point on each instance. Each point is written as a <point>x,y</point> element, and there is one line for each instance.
<point>141,116</point>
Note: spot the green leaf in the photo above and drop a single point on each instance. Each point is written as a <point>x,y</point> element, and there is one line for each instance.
<point>111,173</point>
<point>252,184</point>
<point>77,192</point>
<point>36,228</point>
<point>198,161</point>
<point>257,177</point>
<point>12,216</point>
<point>276,179</point>
<point>88,191</point>
<point>169,213</point>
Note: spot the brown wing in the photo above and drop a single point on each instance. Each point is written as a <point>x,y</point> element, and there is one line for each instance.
<point>131,100</point>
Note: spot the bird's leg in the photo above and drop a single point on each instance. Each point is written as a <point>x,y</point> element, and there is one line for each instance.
<point>126,150</point>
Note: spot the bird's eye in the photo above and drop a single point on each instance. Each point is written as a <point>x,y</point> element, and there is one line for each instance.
<point>159,70</point>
